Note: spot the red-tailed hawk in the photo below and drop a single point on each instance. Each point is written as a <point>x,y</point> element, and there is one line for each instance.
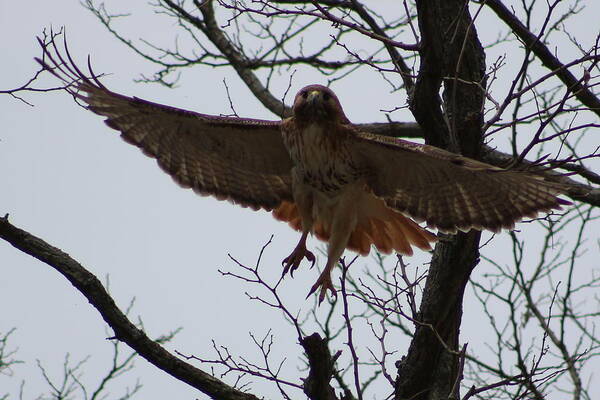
<point>318,172</point>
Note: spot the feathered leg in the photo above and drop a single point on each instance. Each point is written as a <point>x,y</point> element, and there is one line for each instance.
<point>343,223</point>
<point>303,197</point>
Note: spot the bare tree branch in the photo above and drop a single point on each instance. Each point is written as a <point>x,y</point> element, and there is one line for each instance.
<point>533,42</point>
<point>123,329</point>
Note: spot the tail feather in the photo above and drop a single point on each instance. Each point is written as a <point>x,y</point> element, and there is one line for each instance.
<point>360,242</point>
<point>381,237</point>
<point>288,212</point>
<point>400,237</point>
<point>377,225</point>
<point>415,235</point>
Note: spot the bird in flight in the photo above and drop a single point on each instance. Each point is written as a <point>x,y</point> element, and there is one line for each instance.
<point>318,172</point>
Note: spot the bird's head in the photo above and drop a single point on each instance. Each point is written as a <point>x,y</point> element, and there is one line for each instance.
<point>318,103</point>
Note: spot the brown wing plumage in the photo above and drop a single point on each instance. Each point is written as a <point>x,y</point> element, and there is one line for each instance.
<point>242,160</point>
<point>449,191</point>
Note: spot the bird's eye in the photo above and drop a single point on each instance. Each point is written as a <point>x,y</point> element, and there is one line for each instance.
<point>326,96</point>
<point>304,94</point>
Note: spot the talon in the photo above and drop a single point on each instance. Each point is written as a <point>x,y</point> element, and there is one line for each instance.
<point>310,257</point>
<point>324,283</point>
<point>292,262</point>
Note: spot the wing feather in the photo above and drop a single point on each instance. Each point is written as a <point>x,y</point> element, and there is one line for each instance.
<point>238,159</point>
<point>449,191</point>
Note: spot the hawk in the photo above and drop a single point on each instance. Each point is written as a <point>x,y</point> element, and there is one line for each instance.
<point>318,172</point>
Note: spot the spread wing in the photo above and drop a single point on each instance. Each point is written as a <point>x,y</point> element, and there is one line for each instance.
<point>242,160</point>
<point>449,191</point>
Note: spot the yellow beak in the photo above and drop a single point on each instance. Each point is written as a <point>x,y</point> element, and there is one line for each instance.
<point>313,95</point>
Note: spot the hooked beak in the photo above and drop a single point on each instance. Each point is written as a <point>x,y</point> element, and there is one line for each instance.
<point>313,97</point>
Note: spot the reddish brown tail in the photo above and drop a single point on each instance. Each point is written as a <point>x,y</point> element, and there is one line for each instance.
<point>383,227</point>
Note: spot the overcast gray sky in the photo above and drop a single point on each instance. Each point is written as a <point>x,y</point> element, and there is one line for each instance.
<point>69,179</point>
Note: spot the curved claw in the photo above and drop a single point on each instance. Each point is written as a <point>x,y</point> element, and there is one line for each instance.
<point>324,283</point>
<point>292,262</point>
<point>310,257</point>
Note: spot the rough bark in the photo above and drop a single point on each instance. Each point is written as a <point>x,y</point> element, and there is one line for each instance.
<point>452,56</point>
<point>321,368</point>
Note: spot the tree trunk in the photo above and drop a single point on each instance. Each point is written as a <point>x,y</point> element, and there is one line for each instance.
<point>451,55</point>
